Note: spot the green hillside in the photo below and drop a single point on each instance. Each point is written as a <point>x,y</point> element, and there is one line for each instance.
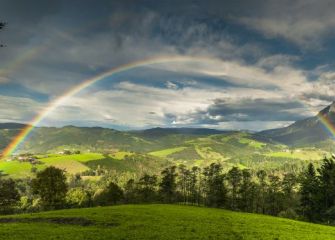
<point>156,222</point>
<point>151,149</point>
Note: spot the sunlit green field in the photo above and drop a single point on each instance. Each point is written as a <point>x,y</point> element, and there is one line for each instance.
<point>166,152</point>
<point>71,163</point>
<point>15,168</point>
<point>121,155</point>
<point>299,154</point>
<point>157,222</point>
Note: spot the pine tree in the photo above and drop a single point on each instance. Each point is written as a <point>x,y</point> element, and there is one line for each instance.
<point>327,188</point>
<point>308,194</point>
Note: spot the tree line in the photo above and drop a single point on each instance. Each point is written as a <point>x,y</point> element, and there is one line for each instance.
<point>308,196</point>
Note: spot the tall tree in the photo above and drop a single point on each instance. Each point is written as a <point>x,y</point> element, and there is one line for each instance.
<point>130,192</point>
<point>194,185</point>
<point>9,195</point>
<point>309,185</point>
<point>167,186</point>
<point>147,188</point>
<point>289,183</point>
<point>214,187</point>
<point>274,197</point>
<point>234,177</point>
<point>262,187</point>
<point>50,185</point>
<point>183,183</point>
<point>327,187</point>
<point>112,194</point>
<point>246,192</point>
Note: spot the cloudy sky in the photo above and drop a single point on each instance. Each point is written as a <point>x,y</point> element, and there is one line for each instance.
<point>248,64</point>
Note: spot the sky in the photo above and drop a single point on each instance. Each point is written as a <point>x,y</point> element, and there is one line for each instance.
<point>250,65</point>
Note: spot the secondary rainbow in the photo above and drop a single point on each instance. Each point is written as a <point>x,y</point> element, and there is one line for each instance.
<point>24,133</point>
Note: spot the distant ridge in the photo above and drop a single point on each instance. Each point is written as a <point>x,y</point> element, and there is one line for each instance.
<point>156,132</point>
<point>307,132</point>
<point>10,125</point>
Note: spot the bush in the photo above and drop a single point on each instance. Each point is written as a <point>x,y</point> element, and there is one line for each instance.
<point>289,213</point>
<point>77,197</point>
<point>111,195</point>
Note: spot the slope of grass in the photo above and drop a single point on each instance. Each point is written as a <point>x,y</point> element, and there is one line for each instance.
<point>16,169</point>
<point>69,165</point>
<point>156,222</point>
<point>167,152</point>
<point>121,155</point>
<point>252,143</point>
<point>298,154</point>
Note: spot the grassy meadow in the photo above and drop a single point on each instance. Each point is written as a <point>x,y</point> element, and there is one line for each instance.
<point>156,222</point>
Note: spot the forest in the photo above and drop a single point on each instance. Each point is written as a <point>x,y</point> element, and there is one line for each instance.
<point>307,196</point>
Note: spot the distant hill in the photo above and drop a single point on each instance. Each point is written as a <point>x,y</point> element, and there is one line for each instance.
<point>307,132</point>
<point>179,144</point>
<point>151,149</point>
<point>12,125</point>
<point>161,132</point>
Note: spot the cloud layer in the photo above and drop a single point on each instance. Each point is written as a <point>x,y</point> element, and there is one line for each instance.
<point>251,65</point>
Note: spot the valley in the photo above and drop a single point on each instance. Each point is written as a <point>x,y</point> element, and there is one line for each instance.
<point>150,150</point>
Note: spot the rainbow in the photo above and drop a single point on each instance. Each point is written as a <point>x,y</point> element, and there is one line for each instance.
<point>327,123</point>
<point>24,133</point>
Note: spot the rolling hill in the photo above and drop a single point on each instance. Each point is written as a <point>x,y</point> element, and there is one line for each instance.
<point>156,222</point>
<point>304,141</point>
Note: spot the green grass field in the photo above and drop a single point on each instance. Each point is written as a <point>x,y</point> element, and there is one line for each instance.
<point>167,152</point>
<point>71,163</point>
<point>252,143</point>
<point>156,222</point>
<point>299,154</point>
<point>16,169</point>
<point>121,155</point>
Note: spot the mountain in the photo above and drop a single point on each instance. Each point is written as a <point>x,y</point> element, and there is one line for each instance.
<point>308,132</point>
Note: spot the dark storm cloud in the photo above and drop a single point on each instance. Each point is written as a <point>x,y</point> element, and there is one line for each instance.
<point>28,11</point>
<point>252,110</point>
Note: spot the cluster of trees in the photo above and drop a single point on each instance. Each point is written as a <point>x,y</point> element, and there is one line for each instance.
<point>318,192</point>
<point>309,195</point>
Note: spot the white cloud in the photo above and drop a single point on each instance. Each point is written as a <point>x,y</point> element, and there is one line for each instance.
<point>305,23</point>
<point>16,109</point>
